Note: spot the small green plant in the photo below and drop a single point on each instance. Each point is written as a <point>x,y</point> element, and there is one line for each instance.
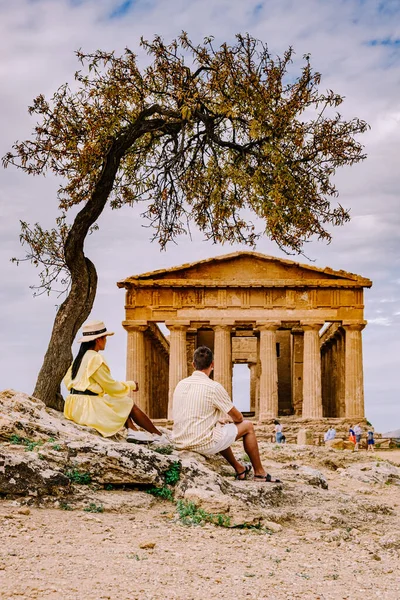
<point>252,527</point>
<point>94,508</point>
<point>16,439</point>
<point>56,447</point>
<point>164,449</point>
<point>162,492</point>
<point>171,477</point>
<point>65,506</point>
<point>190,514</point>
<point>245,458</point>
<point>79,477</point>
<point>173,473</point>
<point>30,445</point>
<point>109,487</point>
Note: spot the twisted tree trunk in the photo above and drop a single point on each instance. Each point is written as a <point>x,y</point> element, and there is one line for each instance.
<point>77,306</point>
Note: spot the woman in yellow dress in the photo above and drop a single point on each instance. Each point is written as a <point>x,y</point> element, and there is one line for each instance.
<point>96,400</point>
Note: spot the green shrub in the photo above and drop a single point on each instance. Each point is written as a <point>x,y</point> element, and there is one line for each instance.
<point>94,508</point>
<point>162,492</point>
<point>16,439</point>
<point>173,473</point>
<point>21,441</point>
<point>190,514</point>
<point>79,477</point>
<point>30,445</point>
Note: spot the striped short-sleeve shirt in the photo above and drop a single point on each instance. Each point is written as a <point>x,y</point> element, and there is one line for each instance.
<point>198,404</point>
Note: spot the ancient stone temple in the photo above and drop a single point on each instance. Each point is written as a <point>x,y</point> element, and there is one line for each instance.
<point>297,327</point>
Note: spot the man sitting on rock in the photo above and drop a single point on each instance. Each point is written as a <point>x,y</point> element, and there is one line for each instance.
<point>199,405</point>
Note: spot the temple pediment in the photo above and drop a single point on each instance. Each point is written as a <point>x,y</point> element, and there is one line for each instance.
<point>248,269</point>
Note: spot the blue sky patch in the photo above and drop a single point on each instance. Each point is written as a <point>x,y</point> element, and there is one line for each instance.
<point>385,42</point>
<point>121,9</point>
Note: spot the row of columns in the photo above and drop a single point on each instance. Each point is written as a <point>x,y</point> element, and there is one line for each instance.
<point>147,363</point>
<point>342,372</point>
<point>312,406</point>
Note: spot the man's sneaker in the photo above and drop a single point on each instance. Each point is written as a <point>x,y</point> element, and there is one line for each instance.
<point>139,437</point>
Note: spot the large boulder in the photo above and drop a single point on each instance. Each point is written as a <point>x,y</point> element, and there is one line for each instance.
<point>338,444</point>
<point>305,437</point>
<point>42,454</point>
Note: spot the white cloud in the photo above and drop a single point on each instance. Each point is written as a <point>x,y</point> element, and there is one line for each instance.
<point>382,321</point>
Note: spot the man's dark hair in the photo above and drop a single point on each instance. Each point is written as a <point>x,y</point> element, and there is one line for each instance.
<point>202,358</point>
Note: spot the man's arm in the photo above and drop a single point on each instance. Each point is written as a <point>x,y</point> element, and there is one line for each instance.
<point>235,415</point>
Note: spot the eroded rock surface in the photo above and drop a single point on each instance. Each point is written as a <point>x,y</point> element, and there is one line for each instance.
<point>45,458</point>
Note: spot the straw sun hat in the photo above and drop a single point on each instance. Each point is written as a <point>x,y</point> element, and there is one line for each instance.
<point>93,330</point>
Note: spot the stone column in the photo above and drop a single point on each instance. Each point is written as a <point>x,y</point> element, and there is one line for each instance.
<point>177,360</point>
<point>253,386</point>
<point>340,406</point>
<point>297,369</point>
<point>136,363</point>
<point>325,380</point>
<point>223,357</point>
<point>335,381</point>
<point>312,397</point>
<point>269,371</point>
<point>354,381</point>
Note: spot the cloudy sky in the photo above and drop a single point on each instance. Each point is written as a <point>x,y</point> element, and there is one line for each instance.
<point>355,44</point>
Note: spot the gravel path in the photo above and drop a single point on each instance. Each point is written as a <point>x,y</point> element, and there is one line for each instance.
<point>72,555</point>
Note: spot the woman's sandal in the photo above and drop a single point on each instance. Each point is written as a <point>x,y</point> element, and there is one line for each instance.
<point>266,478</point>
<point>246,471</point>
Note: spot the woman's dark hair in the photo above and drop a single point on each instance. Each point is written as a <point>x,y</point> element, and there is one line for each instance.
<point>276,422</point>
<point>85,346</point>
<point>202,358</point>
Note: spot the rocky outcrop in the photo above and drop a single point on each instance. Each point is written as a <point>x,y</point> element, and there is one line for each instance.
<point>373,472</point>
<point>45,458</point>
<point>43,454</point>
<point>338,444</point>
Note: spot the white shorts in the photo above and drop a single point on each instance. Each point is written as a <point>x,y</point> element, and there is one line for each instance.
<point>226,436</point>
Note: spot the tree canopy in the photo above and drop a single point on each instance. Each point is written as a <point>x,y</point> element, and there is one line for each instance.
<point>202,135</point>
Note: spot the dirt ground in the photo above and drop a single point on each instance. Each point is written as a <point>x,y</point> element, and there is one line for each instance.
<point>148,554</point>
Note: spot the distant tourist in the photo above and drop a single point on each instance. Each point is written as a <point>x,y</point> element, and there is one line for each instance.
<point>352,436</point>
<point>358,434</point>
<point>330,434</point>
<point>279,432</point>
<point>199,405</point>
<point>370,441</point>
<point>96,400</point>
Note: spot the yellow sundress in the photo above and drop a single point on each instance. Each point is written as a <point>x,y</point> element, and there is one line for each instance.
<point>106,412</point>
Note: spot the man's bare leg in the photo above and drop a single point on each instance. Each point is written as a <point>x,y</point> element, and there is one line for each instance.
<point>246,431</point>
<point>230,457</point>
<point>140,418</point>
